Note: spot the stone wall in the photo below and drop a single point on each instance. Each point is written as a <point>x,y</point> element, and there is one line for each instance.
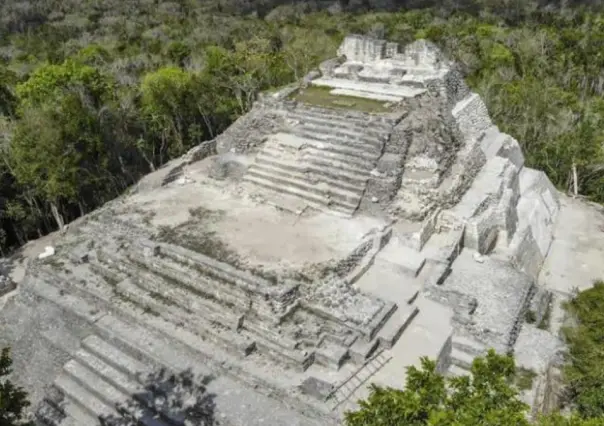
<point>357,48</point>
<point>6,285</point>
<point>424,54</point>
<point>472,116</point>
<point>454,88</point>
<point>249,131</point>
<point>385,180</point>
<point>201,151</point>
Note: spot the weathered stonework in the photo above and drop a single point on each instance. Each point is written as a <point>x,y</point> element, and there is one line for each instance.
<point>310,246</point>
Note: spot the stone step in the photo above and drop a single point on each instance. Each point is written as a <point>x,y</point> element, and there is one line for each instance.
<point>461,358</point>
<point>396,325</point>
<point>162,343</point>
<point>368,88</point>
<point>319,156</point>
<point>243,283</point>
<point>492,141</point>
<point>365,125</point>
<point>345,118</point>
<point>330,144</point>
<point>302,182</point>
<point>242,342</point>
<point>362,133</point>
<point>468,345</point>
<point>301,146</point>
<point>321,163</point>
<point>361,350</point>
<point>203,326</point>
<point>457,371</point>
<point>204,284</point>
<point>116,358</point>
<point>118,390</point>
<point>69,302</point>
<point>311,198</point>
<point>337,142</point>
<point>85,400</point>
<point>187,298</point>
<point>345,180</point>
<point>331,355</point>
<point>367,95</point>
<point>180,350</point>
<point>409,260</point>
<point>69,414</point>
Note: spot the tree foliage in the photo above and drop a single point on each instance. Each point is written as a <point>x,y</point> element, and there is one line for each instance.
<point>13,399</point>
<point>152,79</point>
<point>584,373</point>
<point>484,397</point>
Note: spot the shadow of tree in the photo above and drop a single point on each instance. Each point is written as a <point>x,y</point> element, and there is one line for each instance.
<point>164,399</point>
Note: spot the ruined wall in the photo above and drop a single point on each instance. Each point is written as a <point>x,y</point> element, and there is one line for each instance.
<point>472,116</point>
<point>248,131</point>
<point>357,48</point>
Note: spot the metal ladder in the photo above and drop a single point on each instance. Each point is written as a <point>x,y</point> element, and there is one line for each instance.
<point>343,391</point>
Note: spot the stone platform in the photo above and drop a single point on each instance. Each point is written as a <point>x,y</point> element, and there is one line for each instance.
<point>271,274</point>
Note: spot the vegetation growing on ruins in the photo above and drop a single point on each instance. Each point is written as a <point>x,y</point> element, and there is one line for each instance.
<point>321,96</point>
<point>584,372</point>
<point>13,399</point>
<point>488,396</point>
<point>94,96</point>
<point>485,397</point>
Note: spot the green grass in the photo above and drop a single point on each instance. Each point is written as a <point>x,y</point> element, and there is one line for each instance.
<point>523,379</point>
<point>320,96</point>
<point>545,320</point>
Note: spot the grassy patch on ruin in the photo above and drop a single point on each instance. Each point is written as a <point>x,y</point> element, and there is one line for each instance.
<point>530,316</point>
<point>321,96</point>
<point>523,379</point>
<point>546,318</point>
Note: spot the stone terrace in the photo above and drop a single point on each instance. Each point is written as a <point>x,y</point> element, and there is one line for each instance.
<point>321,156</point>
<point>305,253</point>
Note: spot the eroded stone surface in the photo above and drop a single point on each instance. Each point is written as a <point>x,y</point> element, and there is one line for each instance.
<point>268,267</point>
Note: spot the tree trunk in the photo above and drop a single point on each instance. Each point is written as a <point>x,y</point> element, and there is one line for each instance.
<point>575,179</point>
<point>17,234</point>
<point>57,216</point>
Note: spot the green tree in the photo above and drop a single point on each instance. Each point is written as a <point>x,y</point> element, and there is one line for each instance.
<point>485,397</point>
<point>7,96</point>
<point>13,399</point>
<point>57,148</point>
<point>168,107</point>
<point>584,373</point>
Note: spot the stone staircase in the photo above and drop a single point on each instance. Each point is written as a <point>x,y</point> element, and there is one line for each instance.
<point>168,307</point>
<point>322,157</point>
<point>463,352</point>
<point>345,391</point>
<point>128,360</point>
<point>102,382</point>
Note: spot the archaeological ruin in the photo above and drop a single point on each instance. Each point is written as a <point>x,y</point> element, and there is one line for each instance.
<point>349,224</point>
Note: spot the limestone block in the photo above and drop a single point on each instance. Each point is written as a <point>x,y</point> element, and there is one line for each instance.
<point>6,285</point>
<point>317,388</point>
<point>472,116</point>
<point>481,231</point>
<point>491,141</point>
<point>536,215</point>
<point>512,151</point>
<point>525,253</point>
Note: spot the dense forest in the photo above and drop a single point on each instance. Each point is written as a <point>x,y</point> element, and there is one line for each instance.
<point>93,95</point>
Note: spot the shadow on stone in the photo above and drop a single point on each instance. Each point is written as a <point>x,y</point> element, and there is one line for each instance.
<point>164,399</point>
